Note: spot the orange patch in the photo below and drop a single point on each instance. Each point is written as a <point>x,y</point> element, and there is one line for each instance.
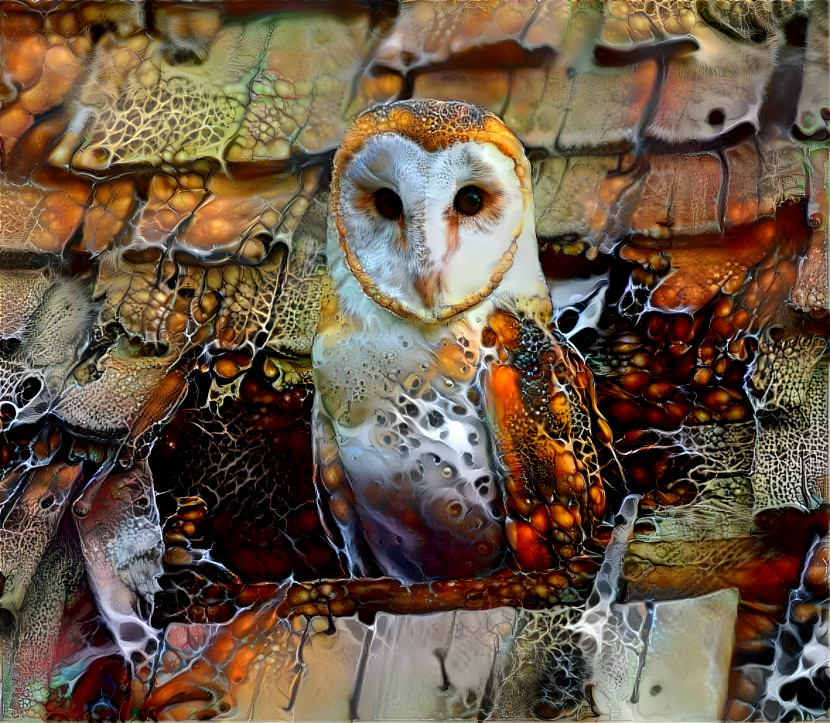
<point>453,362</point>
<point>506,329</point>
<point>706,263</point>
<point>531,551</point>
<point>504,386</point>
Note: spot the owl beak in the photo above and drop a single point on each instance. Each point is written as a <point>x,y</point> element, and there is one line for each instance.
<point>428,287</point>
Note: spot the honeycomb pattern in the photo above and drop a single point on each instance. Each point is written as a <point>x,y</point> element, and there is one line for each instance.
<point>165,549</point>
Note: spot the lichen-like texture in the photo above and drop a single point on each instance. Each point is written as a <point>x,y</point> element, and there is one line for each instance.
<point>414,359</point>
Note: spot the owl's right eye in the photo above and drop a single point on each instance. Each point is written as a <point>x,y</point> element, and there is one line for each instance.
<point>388,203</point>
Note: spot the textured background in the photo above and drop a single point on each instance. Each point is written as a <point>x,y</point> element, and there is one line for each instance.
<point>163,204</point>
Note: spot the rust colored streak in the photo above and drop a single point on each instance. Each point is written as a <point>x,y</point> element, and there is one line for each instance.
<point>763,567</point>
<point>168,394</point>
<point>453,241</point>
<point>428,287</point>
<point>704,264</point>
<point>502,385</point>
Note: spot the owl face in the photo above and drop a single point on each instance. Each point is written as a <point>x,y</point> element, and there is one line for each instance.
<point>431,220</point>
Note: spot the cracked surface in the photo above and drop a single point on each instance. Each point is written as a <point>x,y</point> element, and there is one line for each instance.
<point>165,178</point>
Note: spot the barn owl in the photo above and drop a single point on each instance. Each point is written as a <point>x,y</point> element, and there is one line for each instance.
<point>452,425</point>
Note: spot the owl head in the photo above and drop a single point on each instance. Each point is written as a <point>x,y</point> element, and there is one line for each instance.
<point>432,210</point>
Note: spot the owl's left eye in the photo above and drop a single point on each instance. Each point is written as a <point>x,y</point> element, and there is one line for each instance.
<point>388,203</point>
<point>469,200</point>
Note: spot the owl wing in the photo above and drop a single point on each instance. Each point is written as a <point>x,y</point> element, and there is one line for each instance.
<point>333,485</point>
<point>553,442</point>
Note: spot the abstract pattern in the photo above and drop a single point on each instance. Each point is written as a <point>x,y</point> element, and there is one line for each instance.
<point>183,534</point>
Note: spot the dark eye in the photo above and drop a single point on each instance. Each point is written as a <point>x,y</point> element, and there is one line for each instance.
<point>469,200</point>
<point>388,203</point>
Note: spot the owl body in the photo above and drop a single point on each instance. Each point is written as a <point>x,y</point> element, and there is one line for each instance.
<point>421,385</point>
<point>417,454</point>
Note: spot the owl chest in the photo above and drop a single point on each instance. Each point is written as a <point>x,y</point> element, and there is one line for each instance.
<point>394,395</point>
<point>415,447</point>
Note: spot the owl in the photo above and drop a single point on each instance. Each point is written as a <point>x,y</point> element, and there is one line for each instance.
<point>455,431</point>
